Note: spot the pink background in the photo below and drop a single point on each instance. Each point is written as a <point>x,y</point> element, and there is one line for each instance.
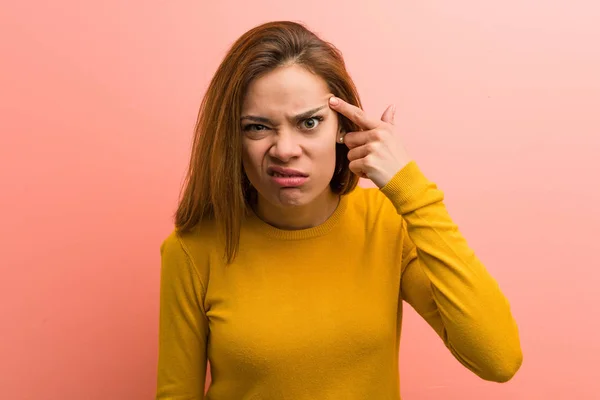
<point>498,101</point>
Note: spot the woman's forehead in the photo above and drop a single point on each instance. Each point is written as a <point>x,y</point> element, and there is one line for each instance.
<point>292,88</point>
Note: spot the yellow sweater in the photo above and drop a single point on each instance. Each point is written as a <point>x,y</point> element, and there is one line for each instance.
<point>316,313</point>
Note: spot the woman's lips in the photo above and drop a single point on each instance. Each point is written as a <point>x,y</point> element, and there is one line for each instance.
<point>287,177</point>
<point>289,181</point>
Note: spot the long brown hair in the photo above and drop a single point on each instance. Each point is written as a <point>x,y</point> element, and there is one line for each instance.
<point>216,186</point>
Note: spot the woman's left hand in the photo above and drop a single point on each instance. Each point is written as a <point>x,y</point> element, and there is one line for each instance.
<point>376,152</point>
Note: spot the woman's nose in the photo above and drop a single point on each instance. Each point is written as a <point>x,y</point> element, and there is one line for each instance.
<point>286,147</point>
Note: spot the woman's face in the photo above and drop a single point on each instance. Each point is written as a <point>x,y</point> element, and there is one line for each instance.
<point>289,135</point>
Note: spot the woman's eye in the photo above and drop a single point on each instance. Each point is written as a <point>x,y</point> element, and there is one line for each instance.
<point>307,124</point>
<point>312,123</point>
<point>254,127</point>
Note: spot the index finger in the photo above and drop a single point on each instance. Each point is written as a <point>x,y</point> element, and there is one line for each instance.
<point>353,113</point>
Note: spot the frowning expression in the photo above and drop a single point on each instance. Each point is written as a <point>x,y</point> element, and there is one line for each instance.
<point>289,136</point>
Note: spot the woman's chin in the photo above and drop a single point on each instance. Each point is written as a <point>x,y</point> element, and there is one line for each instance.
<point>292,197</point>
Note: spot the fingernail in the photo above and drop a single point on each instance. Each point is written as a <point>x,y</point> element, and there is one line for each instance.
<point>333,101</point>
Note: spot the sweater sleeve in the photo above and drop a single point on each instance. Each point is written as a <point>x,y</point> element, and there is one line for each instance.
<point>447,284</point>
<point>183,326</point>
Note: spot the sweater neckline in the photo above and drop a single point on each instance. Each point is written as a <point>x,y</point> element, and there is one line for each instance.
<point>257,224</point>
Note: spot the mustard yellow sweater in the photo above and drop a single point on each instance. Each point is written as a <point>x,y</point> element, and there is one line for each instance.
<point>316,313</point>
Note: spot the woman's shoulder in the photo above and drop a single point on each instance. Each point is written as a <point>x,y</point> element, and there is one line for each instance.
<point>371,201</point>
<point>196,244</point>
<point>369,207</point>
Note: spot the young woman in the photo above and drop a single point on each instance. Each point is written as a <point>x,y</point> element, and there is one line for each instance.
<point>287,276</point>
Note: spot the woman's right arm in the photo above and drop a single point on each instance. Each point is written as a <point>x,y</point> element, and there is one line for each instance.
<point>183,326</point>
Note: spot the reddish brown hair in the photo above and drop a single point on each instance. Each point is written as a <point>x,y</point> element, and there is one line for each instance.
<point>216,186</point>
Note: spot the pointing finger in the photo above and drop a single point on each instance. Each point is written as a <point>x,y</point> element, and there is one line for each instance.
<point>353,113</point>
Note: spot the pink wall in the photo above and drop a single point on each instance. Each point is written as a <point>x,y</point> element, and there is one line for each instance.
<point>499,102</point>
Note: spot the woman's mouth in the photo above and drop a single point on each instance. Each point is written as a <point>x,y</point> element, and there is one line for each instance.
<point>286,177</point>
<point>288,181</point>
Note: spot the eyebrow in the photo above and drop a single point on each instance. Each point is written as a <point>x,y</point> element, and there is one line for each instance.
<point>297,118</point>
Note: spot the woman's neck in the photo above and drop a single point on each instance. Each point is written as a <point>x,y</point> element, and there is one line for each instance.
<point>298,217</point>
